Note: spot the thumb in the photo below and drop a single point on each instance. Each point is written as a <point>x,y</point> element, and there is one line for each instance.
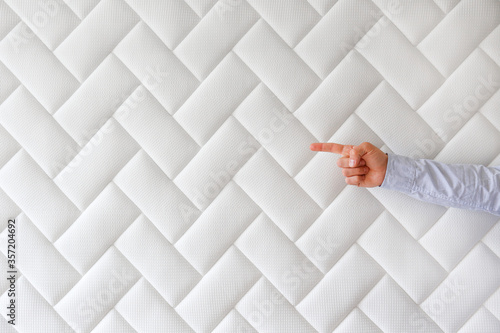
<point>355,155</point>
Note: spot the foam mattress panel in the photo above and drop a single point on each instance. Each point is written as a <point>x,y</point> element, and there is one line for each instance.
<point>155,159</point>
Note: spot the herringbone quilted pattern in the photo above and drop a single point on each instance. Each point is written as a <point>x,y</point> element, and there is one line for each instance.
<point>155,155</point>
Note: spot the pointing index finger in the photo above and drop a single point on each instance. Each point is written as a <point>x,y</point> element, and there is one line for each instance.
<point>328,146</point>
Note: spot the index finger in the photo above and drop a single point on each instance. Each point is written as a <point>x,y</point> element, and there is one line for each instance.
<point>327,146</point>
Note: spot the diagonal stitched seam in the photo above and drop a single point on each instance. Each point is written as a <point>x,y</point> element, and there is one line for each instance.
<point>381,82</point>
<point>466,57</point>
<point>340,258</point>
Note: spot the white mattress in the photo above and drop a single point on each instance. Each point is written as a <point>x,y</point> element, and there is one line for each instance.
<point>155,156</point>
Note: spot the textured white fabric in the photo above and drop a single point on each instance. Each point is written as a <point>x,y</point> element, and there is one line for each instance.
<point>155,155</point>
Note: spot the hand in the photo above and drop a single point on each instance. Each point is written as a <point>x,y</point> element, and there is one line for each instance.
<point>367,165</point>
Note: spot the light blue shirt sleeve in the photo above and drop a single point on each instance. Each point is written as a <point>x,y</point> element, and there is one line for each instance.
<point>467,186</point>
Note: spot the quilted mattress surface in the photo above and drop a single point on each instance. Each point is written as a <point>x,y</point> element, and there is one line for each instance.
<point>155,165</point>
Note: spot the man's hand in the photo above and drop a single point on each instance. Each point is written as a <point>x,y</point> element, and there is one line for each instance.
<point>362,165</point>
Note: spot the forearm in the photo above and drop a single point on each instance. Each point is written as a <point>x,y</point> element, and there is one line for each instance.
<point>466,186</point>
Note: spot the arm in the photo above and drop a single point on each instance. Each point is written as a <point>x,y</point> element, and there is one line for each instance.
<point>468,186</point>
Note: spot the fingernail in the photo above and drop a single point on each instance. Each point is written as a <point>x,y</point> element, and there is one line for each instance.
<point>366,169</point>
<point>352,163</point>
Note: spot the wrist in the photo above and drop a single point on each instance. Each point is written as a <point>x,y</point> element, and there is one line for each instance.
<point>386,160</point>
<point>400,173</point>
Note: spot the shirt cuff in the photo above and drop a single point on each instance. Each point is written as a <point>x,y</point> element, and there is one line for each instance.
<point>400,173</point>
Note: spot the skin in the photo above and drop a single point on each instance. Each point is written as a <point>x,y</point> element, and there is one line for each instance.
<point>368,163</point>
